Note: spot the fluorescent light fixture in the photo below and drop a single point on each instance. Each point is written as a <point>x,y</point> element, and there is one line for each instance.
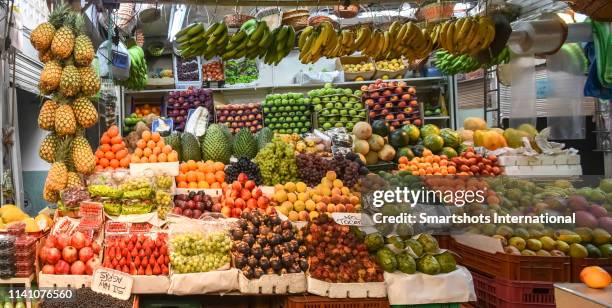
<point>177,17</point>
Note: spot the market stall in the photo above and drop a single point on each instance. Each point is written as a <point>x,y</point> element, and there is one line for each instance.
<point>295,156</point>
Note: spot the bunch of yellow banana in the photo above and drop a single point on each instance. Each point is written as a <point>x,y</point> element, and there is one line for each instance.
<point>196,40</point>
<point>317,42</point>
<point>467,35</point>
<point>412,42</point>
<point>283,40</point>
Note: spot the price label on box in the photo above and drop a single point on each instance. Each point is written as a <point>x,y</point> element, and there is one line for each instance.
<point>111,282</point>
<point>348,219</point>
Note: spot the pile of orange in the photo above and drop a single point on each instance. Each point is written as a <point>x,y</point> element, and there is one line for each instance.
<point>112,154</point>
<point>429,164</point>
<point>201,174</point>
<point>152,149</point>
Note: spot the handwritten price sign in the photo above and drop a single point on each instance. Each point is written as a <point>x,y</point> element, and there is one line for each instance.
<point>111,282</point>
<point>349,219</point>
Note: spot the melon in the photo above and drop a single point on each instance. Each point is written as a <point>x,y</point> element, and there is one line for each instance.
<point>361,147</point>
<point>474,123</point>
<point>387,153</point>
<point>376,142</point>
<point>371,158</point>
<point>362,130</point>
<point>466,134</point>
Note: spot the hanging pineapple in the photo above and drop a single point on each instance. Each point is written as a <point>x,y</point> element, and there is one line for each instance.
<point>74,180</point>
<point>42,36</point>
<point>64,37</point>
<point>50,77</point>
<point>46,117</point>
<point>85,112</point>
<point>65,121</point>
<point>70,82</point>
<point>90,81</point>
<point>48,147</point>
<point>82,155</point>
<point>83,50</point>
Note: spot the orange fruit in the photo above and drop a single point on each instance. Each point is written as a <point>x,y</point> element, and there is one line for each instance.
<point>114,163</point>
<point>121,154</point>
<point>104,162</point>
<point>183,168</point>
<point>595,277</point>
<point>210,178</point>
<point>99,168</point>
<point>207,168</point>
<point>116,147</point>
<point>153,158</point>
<point>203,184</point>
<point>200,175</point>
<point>135,159</point>
<point>151,144</point>
<point>181,178</point>
<point>147,152</point>
<point>146,135</point>
<point>141,144</point>
<point>124,162</point>
<point>219,166</point>
<point>116,140</point>
<point>167,149</point>
<point>113,131</point>
<point>155,136</point>
<point>193,185</point>
<point>99,154</point>
<point>192,177</point>
<point>182,185</point>
<point>160,144</point>
<point>144,159</point>
<point>220,176</point>
<point>157,150</point>
<point>215,185</point>
<point>192,165</point>
<point>105,139</point>
<point>105,147</point>
<point>173,156</point>
<point>109,155</point>
<point>138,152</point>
<point>162,157</point>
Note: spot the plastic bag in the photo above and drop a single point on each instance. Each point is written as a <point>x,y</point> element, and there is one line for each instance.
<point>341,141</point>
<point>197,122</point>
<point>316,77</point>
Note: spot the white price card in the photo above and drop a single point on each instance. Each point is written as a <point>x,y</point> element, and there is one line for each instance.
<point>348,219</point>
<point>111,282</point>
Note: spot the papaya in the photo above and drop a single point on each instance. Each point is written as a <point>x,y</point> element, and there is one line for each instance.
<point>474,123</point>
<point>491,140</point>
<point>514,137</point>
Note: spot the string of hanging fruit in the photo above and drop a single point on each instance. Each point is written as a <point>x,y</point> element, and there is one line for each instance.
<point>254,39</point>
<point>69,81</point>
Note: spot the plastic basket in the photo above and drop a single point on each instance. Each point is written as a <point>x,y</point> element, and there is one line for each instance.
<point>350,76</point>
<point>506,266</point>
<point>502,293</point>
<point>437,11</point>
<point>579,264</point>
<point>325,302</point>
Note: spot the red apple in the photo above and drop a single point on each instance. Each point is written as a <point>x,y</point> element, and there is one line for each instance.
<point>406,97</point>
<point>250,184</point>
<point>96,247</point>
<point>414,103</point>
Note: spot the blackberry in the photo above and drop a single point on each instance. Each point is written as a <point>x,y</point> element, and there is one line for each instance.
<point>243,165</point>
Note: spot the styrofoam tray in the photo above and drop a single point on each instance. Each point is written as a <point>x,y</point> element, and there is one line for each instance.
<point>346,290</point>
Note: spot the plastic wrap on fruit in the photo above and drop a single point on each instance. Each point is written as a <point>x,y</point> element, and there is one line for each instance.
<point>112,207</point>
<point>142,193</point>
<point>71,197</point>
<point>163,182</point>
<point>104,191</point>
<point>135,184</point>
<point>340,138</point>
<point>136,207</point>
<point>163,198</point>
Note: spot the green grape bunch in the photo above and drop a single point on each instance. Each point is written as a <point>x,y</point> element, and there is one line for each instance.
<point>276,162</point>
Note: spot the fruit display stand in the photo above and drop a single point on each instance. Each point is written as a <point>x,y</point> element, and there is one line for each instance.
<point>167,168</point>
<point>25,281</point>
<point>273,284</point>
<point>346,290</point>
<point>485,254</point>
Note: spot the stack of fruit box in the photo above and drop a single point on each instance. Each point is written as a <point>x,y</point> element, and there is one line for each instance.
<point>502,279</point>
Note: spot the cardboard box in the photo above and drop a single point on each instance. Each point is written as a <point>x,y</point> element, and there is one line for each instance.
<point>221,281</point>
<point>273,284</point>
<point>346,290</point>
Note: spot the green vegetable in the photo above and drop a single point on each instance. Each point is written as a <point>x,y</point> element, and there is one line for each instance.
<point>374,241</point>
<point>386,260</point>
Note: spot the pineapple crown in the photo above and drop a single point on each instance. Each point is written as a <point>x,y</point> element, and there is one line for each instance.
<point>62,152</point>
<point>65,16</point>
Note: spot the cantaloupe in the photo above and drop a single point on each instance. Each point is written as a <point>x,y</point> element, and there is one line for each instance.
<point>362,130</point>
<point>361,147</point>
<point>474,123</point>
<point>466,134</point>
<point>387,153</point>
<point>376,142</point>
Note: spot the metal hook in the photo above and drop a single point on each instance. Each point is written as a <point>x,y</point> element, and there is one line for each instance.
<point>318,1</point>
<point>236,7</point>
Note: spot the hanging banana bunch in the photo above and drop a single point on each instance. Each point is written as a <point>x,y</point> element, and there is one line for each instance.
<point>468,35</point>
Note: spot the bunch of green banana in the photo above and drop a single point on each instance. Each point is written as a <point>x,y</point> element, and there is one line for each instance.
<point>259,39</point>
<point>465,35</point>
<point>138,70</point>
<point>236,47</point>
<point>282,42</point>
<point>195,40</point>
<point>451,64</point>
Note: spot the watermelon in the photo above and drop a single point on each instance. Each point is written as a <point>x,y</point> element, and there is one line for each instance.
<point>413,132</point>
<point>433,142</point>
<point>429,129</point>
<point>451,138</point>
<point>449,152</point>
<point>418,150</point>
<point>462,148</point>
<point>405,151</point>
<point>380,127</point>
<point>399,138</point>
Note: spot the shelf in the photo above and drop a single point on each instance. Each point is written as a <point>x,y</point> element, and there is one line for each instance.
<point>291,86</point>
<point>17,280</point>
<point>437,118</point>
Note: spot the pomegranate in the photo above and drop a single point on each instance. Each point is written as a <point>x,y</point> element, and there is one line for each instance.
<point>62,267</point>
<point>92,265</point>
<point>69,254</point>
<point>52,256</point>
<point>77,268</point>
<point>85,254</point>
<point>51,241</point>
<point>48,269</point>
<point>63,240</point>
<point>96,247</point>
<point>78,240</point>
<point>43,253</point>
